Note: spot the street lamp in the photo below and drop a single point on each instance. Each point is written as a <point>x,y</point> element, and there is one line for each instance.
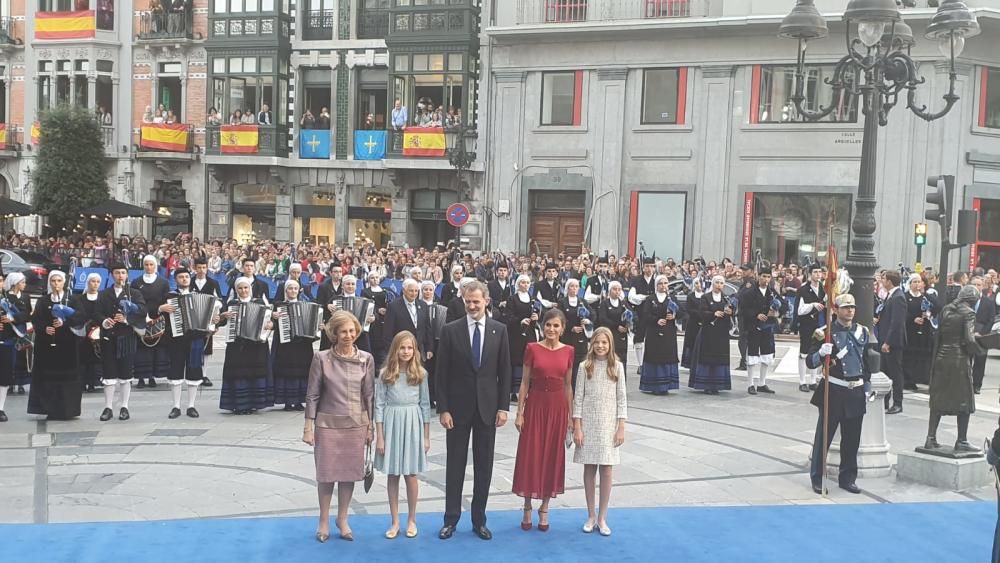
<point>460,153</point>
<point>877,69</point>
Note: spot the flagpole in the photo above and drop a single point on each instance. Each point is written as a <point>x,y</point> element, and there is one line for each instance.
<point>830,288</point>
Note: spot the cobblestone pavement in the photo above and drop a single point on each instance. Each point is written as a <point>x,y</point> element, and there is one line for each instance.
<point>683,449</point>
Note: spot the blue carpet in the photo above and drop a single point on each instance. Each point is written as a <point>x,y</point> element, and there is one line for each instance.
<point>940,532</point>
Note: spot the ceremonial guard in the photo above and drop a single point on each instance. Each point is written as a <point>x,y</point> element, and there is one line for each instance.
<point>204,284</point>
<point>187,351</point>
<point>614,314</point>
<point>659,373</point>
<point>375,293</point>
<point>760,309</point>
<point>290,360</point>
<point>548,289</point>
<point>810,317</point>
<point>579,323</point>
<point>120,310</point>
<point>246,381</point>
<point>522,329</point>
<point>88,346</point>
<point>328,292</point>
<point>710,363</point>
<point>501,291</point>
<point>152,359</point>
<point>642,287</point>
<point>921,310</point>
<point>848,374</point>
<point>55,385</point>
<point>16,312</point>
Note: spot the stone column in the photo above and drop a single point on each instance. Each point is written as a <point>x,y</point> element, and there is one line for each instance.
<point>184,90</point>
<point>342,222</point>
<point>504,156</point>
<point>283,214</point>
<point>219,204</point>
<point>92,88</point>
<point>609,123</point>
<point>714,128</point>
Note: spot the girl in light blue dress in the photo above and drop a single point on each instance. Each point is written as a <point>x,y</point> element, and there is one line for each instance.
<point>402,422</point>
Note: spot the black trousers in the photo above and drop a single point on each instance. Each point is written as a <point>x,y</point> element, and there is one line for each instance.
<point>850,440</point>
<point>892,364</point>
<point>743,343</point>
<point>179,350</point>
<point>483,442</point>
<point>978,371</point>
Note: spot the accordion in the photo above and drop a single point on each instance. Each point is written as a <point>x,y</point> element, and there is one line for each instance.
<point>362,309</point>
<point>300,320</point>
<point>193,312</point>
<point>249,323</point>
<point>438,315</point>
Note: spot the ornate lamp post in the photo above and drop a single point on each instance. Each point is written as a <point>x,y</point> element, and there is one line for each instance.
<point>879,71</point>
<point>459,154</point>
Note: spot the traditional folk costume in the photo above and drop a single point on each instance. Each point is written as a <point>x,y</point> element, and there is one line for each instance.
<point>118,342</point>
<point>641,287</point>
<point>573,307</point>
<point>710,364</point>
<point>756,301</point>
<point>290,366</point>
<point>246,379</point>
<point>809,319</point>
<point>614,314</point>
<point>152,359</point>
<point>55,388</point>
<point>519,309</point>
<point>14,348</point>
<point>88,344</point>
<point>187,359</point>
<point>659,371</point>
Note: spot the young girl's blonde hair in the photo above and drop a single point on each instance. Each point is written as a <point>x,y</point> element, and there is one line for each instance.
<point>591,359</point>
<point>415,372</point>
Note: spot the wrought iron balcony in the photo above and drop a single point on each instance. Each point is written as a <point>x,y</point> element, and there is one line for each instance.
<point>373,23</point>
<point>8,33</point>
<point>318,25</point>
<point>272,140</point>
<point>170,25</point>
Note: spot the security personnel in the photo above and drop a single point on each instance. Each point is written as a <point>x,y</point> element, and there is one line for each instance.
<point>848,376</point>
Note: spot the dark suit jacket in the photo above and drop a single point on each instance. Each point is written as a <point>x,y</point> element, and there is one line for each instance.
<point>462,389</point>
<point>985,314</point>
<point>211,287</point>
<point>892,321</point>
<point>397,319</point>
<point>326,294</point>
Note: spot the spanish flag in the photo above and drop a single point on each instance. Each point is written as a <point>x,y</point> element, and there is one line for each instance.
<point>238,139</point>
<point>423,141</point>
<point>36,133</point>
<point>3,134</point>
<point>65,25</point>
<point>164,137</point>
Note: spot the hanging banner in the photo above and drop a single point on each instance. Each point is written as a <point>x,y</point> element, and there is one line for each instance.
<point>747,227</point>
<point>172,137</point>
<point>424,141</point>
<point>65,25</point>
<point>239,139</point>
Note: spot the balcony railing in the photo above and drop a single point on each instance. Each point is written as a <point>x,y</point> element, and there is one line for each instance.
<point>108,134</point>
<point>373,23</point>
<point>318,25</point>
<point>534,12</point>
<point>272,140</point>
<point>170,25</point>
<point>8,137</point>
<point>8,32</point>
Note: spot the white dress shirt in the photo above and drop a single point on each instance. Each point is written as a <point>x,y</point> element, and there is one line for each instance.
<point>482,332</point>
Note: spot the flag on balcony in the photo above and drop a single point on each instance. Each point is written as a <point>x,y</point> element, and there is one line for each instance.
<point>424,141</point>
<point>314,143</point>
<point>238,139</point>
<point>65,25</point>
<point>3,134</point>
<point>369,145</point>
<point>164,137</point>
<point>36,133</point>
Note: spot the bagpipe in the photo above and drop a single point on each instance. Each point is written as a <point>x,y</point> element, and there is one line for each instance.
<point>773,311</point>
<point>583,312</point>
<point>24,333</point>
<point>63,312</point>
<point>732,304</point>
<point>927,309</point>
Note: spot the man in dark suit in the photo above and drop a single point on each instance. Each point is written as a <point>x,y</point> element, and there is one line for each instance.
<point>204,284</point>
<point>409,313</point>
<point>473,391</point>
<point>501,291</point>
<point>328,292</point>
<point>892,338</point>
<point>986,311</point>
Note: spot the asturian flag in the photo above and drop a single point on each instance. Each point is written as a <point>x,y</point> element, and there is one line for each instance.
<point>314,143</point>
<point>369,145</point>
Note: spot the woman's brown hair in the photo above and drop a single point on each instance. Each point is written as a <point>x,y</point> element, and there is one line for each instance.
<point>591,358</point>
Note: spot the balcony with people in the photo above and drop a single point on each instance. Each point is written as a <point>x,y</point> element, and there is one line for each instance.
<point>161,135</point>
<point>170,20</point>
<point>73,19</point>
<point>10,33</point>
<point>244,117</point>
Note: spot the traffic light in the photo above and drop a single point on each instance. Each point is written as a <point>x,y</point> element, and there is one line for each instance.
<point>920,234</point>
<point>941,198</point>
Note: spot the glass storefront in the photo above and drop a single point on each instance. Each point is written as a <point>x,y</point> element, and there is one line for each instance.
<point>253,212</point>
<point>986,252</point>
<point>369,221</point>
<point>314,215</point>
<point>659,224</point>
<point>794,228</point>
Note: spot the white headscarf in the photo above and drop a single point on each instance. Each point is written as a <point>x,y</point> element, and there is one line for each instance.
<point>656,282</point>
<point>56,274</point>
<point>92,276</point>
<point>12,280</point>
<point>149,278</point>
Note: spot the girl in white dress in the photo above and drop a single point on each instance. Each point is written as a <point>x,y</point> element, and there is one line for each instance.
<point>599,413</point>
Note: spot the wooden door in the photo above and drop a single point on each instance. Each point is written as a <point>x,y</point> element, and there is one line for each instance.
<point>552,233</point>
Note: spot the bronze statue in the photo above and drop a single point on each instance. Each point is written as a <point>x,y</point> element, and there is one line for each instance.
<point>951,374</point>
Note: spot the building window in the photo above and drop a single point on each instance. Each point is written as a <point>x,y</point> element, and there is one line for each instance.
<point>663,96</point>
<point>561,98</point>
<point>61,5</point>
<point>434,88</point>
<point>319,18</point>
<point>242,6</point>
<point>667,8</point>
<point>989,98</point>
<point>106,15</point>
<point>657,219</point>
<point>791,228</point>
<point>245,84</point>
<point>373,19</point>
<point>773,87</point>
<point>559,11</point>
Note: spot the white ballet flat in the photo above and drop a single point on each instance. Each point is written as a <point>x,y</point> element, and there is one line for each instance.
<point>588,528</point>
<point>605,531</point>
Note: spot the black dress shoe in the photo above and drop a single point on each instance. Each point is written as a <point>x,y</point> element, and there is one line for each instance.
<point>852,488</point>
<point>765,389</point>
<point>174,413</point>
<point>894,409</point>
<point>804,388</point>
<point>206,382</point>
<point>152,382</point>
<point>192,412</point>
<point>812,386</point>
<point>288,407</point>
<point>819,490</point>
<point>123,414</point>
<point>141,384</point>
<point>752,390</point>
<point>483,532</point>
<point>977,390</point>
<point>3,416</point>
<point>446,532</point>
<point>107,415</point>
<point>300,407</point>
<point>742,367</point>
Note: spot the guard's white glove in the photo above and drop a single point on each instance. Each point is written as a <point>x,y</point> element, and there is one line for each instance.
<point>826,349</point>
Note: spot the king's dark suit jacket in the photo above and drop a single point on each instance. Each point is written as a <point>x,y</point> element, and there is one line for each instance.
<point>462,390</point>
<point>397,319</point>
<point>892,321</point>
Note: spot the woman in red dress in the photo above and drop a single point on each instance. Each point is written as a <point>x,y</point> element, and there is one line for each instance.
<point>543,418</point>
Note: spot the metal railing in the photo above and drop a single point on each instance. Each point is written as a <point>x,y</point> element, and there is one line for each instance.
<point>8,31</point>
<point>373,23</point>
<point>532,12</point>
<point>166,25</point>
<point>272,140</point>
<point>318,25</point>
<point>10,138</point>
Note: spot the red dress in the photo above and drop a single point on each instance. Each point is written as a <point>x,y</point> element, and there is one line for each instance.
<point>540,467</point>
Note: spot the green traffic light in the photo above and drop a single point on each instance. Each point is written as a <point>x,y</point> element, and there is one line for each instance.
<point>920,240</point>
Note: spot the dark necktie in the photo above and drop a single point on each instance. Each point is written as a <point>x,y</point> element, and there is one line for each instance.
<point>476,348</point>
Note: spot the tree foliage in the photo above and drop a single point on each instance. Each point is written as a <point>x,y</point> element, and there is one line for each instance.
<point>69,176</point>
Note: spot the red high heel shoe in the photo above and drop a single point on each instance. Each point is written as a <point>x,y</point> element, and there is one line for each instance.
<point>526,525</point>
<point>542,527</point>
